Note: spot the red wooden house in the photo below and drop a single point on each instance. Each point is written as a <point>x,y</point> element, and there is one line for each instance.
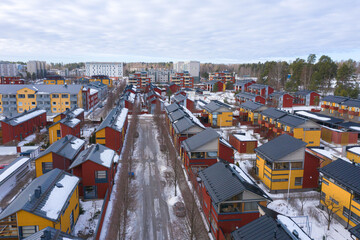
<point>168,110</point>
<point>244,97</point>
<point>230,199</point>
<point>90,97</point>
<point>183,100</point>
<point>306,98</point>
<point>173,87</point>
<point>280,100</point>
<point>111,131</point>
<point>74,113</point>
<point>260,89</point>
<point>215,86</point>
<point>242,85</point>
<point>11,80</point>
<point>127,100</point>
<point>96,167</point>
<point>184,128</point>
<point>19,127</point>
<point>203,150</point>
<point>243,142</point>
<point>66,126</point>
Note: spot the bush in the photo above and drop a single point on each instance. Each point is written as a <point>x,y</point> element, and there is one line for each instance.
<point>81,209</point>
<point>29,144</point>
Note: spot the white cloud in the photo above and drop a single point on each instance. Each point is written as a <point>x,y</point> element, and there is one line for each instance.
<point>159,30</point>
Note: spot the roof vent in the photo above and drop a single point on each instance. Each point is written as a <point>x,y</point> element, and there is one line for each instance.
<point>296,234</point>
<point>65,138</point>
<point>59,185</point>
<point>97,147</point>
<point>38,192</point>
<point>46,235</point>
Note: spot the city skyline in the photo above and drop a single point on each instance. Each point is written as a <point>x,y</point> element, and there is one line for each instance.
<point>161,31</point>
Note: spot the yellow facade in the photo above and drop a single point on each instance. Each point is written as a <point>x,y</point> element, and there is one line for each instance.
<point>39,161</point>
<point>57,118</point>
<point>311,137</point>
<point>353,156</point>
<point>106,81</point>
<point>53,133</point>
<point>1,104</point>
<point>342,197</point>
<point>60,102</point>
<point>25,218</point>
<point>100,136</point>
<point>224,119</point>
<point>56,82</point>
<point>277,179</point>
<point>25,99</point>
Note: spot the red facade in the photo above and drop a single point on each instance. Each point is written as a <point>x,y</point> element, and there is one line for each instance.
<point>114,139</point>
<point>20,131</point>
<point>242,146</point>
<point>314,99</point>
<point>174,88</point>
<point>220,86</point>
<point>311,173</point>
<point>11,80</point>
<point>90,98</point>
<point>86,172</point>
<point>66,130</point>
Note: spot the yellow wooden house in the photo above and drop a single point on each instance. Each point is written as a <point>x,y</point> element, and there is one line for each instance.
<point>103,79</point>
<point>300,128</point>
<point>353,153</point>
<point>280,163</point>
<point>340,191</point>
<point>51,200</point>
<point>332,103</point>
<point>219,114</point>
<point>249,111</point>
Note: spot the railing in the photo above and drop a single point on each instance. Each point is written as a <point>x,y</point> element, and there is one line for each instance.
<point>102,215</point>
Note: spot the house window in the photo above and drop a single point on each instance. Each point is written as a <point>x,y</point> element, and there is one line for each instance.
<point>296,165</point>
<point>346,212</point>
<point>54,103</point>
<point>298,181</point>
<point>21,96</point>
<point>334,201</point>
<point>58,133</point>
<point>250,206</point>
<point>197,155</point>
<point>20,109</point>
<point>54,109</point>
<point>325,182</point>
<point>211,154</point>
<point>31,96</point>
<point>281,165</point>
<point>47,167</point>
<point>100,176</point>
<point>26,231</point>
<point>64,96</point>
<point>55,95</point>
<point>66,103</point>
<point>72,219</point>
<point>355,218</point>
<point>33,103</point>
<point>20,103</point>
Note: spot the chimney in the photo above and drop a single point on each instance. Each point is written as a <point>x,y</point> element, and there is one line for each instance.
<point>97,147</point>
<point>38,192</point>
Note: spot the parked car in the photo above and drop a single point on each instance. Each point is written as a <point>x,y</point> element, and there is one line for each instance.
<point>179,209</point>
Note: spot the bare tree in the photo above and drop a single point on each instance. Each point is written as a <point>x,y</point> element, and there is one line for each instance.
<point>330,210</point>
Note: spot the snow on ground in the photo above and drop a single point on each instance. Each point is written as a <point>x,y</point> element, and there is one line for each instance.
<point>89,219</point>
<point>87,130</point>
<point>228,97</point>
<point>26,140</point>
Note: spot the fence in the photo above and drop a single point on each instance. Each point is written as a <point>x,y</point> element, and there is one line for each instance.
<point>102,215</point>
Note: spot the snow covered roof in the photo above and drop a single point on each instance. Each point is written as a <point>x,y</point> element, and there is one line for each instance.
<point>193,117</point>
<point>115,119</point>
<point>98,154</point>
<point>25,116</point>
<point>224,181</point>
<point>70,122</point>
<point>55,189</point>
<point>355,149</point>
<point>93,91</point>
<point>42,88</point>
<point>244,136</point>
<point>247,95</point>
<point>313,116</point>
<point>10,169</point>
<point>68,147</point>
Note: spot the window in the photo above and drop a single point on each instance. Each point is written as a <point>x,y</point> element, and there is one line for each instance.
<point>296,165</point>
<point>325,182</point>
<point>298,181</point>
<point>280,180</point>
<point>100,176</point>
<point>31,96</point>
<point>21,96</point>
<point>333,200</point>
<point>54,103</point>
<point>33,103</point>
<point>55,95</point>
<point>355,218</point>
<point>281,165</point>
<point>66,103</point>
<point>20,109</point>
<point>26,231</point>
<point>72,219</point>
<point>20,103</point>
<point>64,96</point>
<point>58,133</point>
<point>250,206</point>
<point>197,155</point>
<point>47,166</point>
<point>211,154</point>
<point>346,212</point>
<point>54,109</point>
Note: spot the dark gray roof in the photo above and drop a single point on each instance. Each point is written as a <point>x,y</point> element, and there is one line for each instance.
<point>242,82</point>
<point>280,147</point>
<point>183,124</point>
<point>176,115</point>
<point>179,98</point>
<point>69,121</point>
<point>250,105</point>
<point>20,161</point>
<point>344,172</point>
<point>98,154</point>
<point>258,86</point>
<point>200,139</point>
<point>52,234</point>
<point>222,182</point>
<point>355,231</point>
<point>172,107</point>
<point>212,82</point>
<point>292,120</point>
<point>23,117</point>
<point>75,112</point>
<point>335,99</point>
<point>32,204</point>
<point>278,94</point>
<point>349,126</point>
<point>214,105</point>
<point>116,116</point>
<point>273,113</point>
<point>68,147</point>
<point>352,103</point>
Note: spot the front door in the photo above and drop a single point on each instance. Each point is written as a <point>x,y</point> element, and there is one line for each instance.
<point>90,192</point>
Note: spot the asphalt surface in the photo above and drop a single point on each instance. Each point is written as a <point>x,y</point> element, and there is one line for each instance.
<point>153,220</point>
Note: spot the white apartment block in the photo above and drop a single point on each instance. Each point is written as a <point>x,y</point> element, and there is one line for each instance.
<point>8,70</point>
<point>37,67</point>
<point>111,69</point>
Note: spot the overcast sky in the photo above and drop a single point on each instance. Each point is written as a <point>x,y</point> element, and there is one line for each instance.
<point>220,31</point>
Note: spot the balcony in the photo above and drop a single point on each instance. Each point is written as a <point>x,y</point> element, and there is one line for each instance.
<point>343,110</point>
<point>261,122</point>
<point>269,125</point>
<point>277,130</point>
<point>353,113</point>
<point>325,106</point>
<point>334,108</point>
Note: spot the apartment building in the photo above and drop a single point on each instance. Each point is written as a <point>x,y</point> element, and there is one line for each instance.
<point>193,67</point>
<point>139,79</point>
<point>183,79</point>
<point>37,67</point>
<point>111,69</point>
<point>8,70</point>
<point>224,76</point>
<point>52,98</point>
